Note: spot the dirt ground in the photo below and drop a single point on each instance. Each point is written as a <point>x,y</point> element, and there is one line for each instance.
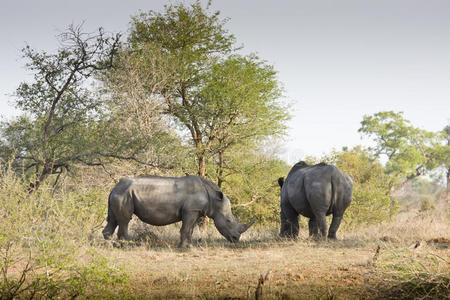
<point>295,270</point>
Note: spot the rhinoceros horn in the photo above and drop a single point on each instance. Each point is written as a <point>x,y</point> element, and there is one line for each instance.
<point>244,227</point>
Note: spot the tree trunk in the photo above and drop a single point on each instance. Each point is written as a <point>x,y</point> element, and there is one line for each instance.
<point>220,171</point>
<point>40,176</point>
<point>201,171</point>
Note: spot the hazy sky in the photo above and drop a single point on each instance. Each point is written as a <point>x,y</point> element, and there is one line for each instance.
<point>337,60</point>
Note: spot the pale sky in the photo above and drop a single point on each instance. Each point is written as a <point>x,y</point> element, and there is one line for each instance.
<point>337,60</point>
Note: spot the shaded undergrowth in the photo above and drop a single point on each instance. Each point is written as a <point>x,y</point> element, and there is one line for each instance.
<point>44,244</point>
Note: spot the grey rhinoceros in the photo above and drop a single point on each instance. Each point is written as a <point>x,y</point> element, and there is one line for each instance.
<point>314,191</point>
<point>165,200</point>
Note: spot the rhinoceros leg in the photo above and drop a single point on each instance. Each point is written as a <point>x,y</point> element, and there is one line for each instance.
<point>189,220</point>
<point>313,229</point>
<point>122,233</point>
<point>289,222</point>
<point>109,228</point>
<point>322,223</point>
<point>335,222</point>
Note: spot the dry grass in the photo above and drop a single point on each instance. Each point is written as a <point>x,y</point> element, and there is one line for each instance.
<point>60,236</point>
<point>406,227</point>
<point>301,269</point>
<point>295,269</point>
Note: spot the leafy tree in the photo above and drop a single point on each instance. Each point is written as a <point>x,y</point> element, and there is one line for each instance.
<point>53,133</point>
<point>241,106</point>
<point>136,111</point>
<point>217,97</point>
<point>410,151</point>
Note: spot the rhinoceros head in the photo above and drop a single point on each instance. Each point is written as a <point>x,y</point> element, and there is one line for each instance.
<point>224,220</point>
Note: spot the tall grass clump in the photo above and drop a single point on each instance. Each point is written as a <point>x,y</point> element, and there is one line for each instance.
<point>44,243</point>
<point>412,274</point>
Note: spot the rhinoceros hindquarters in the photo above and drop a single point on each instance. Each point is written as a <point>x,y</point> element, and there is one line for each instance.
<point>314,192</point>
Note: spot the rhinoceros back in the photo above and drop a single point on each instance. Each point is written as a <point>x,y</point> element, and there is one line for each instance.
<point>157,200</point>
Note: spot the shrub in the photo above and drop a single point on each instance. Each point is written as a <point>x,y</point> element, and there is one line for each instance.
<point>427,203</point>
<point>371,201</point>
<point>253,188</point>
<point>43,242</point>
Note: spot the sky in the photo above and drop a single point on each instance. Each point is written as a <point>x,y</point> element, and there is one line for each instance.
<point>337,60</point>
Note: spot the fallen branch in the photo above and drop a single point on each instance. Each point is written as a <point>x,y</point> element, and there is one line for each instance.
<point>259,288</point>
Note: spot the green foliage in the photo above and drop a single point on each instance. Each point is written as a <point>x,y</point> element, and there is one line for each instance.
<point>252,186</point>
<point>371,201</point>
<point>49,137</point>
<point>371,194</point>
<point>241,103</point>
<point>217,97</point>
<point>410,151</point>
<point>42,238</point>
<point>189,35</point>
<point>136,111</point>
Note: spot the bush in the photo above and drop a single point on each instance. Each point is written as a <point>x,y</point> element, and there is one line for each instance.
<point>252,187</point>
<point>44,238</point>
<point>371,201</point>
<point>427,203</point>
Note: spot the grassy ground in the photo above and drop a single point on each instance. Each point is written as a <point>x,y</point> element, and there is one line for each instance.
<point>407,257</point>
<point>51,247</point>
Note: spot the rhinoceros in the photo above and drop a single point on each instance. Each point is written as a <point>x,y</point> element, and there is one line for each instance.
<point>161,201</point>
<point>314,191</point>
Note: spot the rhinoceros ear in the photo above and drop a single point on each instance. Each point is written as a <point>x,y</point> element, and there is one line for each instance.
<point>219,195</point>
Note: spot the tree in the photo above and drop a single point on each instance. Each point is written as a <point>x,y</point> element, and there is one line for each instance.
<point>136,111</point>
<point>54,131</point>
<point>241,106</point>
<point>410,151</point>
<point>218,97</point>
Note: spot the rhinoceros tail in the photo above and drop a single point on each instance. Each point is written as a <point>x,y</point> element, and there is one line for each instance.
<point>110,216</point>
<point>112,222</point>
